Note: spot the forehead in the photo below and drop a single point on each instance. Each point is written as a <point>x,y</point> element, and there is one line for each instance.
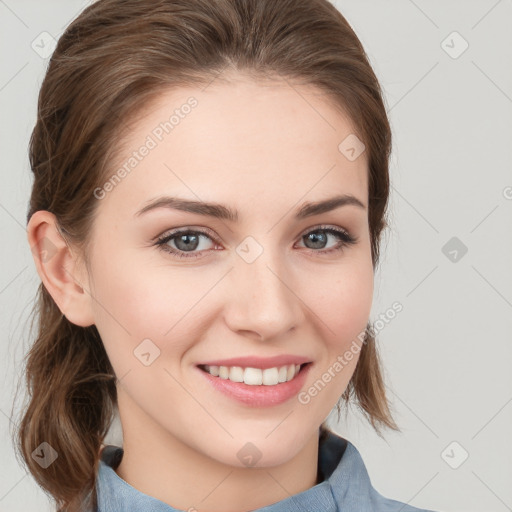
<point>242,142</point>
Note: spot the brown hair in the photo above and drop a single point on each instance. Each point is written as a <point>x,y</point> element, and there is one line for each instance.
<point>113,59</point>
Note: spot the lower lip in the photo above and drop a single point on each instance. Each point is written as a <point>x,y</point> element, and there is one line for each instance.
<point>259,396</point>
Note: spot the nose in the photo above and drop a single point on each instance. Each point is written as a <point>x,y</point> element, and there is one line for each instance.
<point>263,298</point>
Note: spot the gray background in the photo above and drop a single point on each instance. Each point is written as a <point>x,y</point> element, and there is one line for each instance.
<point>447,355</point>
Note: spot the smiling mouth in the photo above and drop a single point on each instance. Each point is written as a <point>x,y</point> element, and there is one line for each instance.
<point>255,376</point>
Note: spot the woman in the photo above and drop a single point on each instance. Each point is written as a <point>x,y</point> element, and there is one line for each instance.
<point>211,183</point>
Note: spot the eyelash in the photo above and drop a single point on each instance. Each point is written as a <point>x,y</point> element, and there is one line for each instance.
<point>345,240</point>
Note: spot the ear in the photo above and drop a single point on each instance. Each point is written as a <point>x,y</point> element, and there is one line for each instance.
<point>58,268</point>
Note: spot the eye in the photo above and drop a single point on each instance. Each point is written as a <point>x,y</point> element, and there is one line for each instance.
<point>185,241</point>
<point>318,237</point>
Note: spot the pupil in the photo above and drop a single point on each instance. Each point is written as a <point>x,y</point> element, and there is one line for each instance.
<point>187,244</point>
<point>317,239</point>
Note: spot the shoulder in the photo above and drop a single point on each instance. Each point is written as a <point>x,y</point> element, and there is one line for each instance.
<point>352,487</point>
<point>382,504</point>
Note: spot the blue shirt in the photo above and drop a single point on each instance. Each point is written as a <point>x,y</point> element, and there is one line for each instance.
<point>344,486</point>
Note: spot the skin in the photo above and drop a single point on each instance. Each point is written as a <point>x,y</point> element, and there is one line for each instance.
<point>263,148</point>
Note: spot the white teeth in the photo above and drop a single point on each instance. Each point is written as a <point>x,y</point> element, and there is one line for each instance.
<point>236,373</point>
<point>255,376</point>
<point>271,376</point>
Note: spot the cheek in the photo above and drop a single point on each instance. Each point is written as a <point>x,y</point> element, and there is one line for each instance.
<point>136,300</point>
<point>344,309</point>
<point>343,301</point>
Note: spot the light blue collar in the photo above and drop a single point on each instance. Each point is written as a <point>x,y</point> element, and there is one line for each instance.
<point>345,486</point>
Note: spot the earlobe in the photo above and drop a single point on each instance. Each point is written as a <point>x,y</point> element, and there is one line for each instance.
<point>57,266</point>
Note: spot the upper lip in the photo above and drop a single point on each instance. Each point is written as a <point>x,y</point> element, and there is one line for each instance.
<point>259,362</point>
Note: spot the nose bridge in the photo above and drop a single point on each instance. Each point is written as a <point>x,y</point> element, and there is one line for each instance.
<point>263,301</point>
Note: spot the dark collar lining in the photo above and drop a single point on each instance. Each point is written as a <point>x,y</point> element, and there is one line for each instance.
<point>111,455</point>
<point>330,450</point>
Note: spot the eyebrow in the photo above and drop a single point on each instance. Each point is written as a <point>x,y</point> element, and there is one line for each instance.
<point>220,211</point>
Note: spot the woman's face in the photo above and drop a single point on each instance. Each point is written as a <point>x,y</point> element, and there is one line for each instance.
<point>268,283</point>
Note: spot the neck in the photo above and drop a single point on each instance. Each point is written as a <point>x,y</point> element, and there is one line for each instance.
<point>159,464</point>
